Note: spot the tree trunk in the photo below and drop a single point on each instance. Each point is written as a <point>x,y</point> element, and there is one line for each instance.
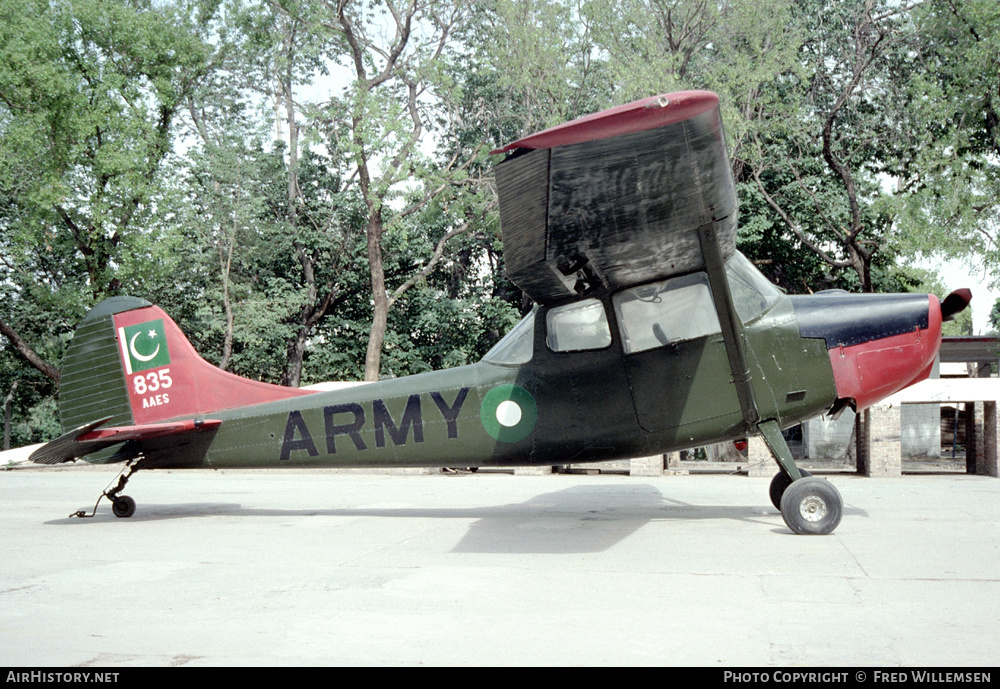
<point>6,416</point>
<point>225,264</point>
<point>296,349</point>
<point>380,299</point>
<point>296,355</point>
<point>28,353</point>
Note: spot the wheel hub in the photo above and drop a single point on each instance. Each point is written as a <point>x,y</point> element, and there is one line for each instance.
<point>812,508</point>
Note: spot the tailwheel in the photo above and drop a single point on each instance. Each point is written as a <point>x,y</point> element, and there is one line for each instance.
<point>123,506</point>
<point>812,506</point>
<point>779,484</point>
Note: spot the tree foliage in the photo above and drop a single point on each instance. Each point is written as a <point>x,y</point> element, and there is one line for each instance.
<point>951,203</point>
<point>89,95</point>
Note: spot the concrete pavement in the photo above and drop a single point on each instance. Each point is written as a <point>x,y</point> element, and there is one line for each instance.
<point>289,567</point>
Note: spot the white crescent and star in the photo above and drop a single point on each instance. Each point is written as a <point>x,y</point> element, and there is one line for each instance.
<point>137,355</point>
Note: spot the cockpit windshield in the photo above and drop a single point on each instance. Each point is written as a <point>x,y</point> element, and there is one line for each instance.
<point>517,346</point>
<point>752,293</point>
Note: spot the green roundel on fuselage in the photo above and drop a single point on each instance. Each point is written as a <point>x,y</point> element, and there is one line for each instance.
<point>508,413</point>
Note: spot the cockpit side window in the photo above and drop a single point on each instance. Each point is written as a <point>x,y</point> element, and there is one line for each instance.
<point>578,326</point>
<point>666,312</point>
<point>517,346</point>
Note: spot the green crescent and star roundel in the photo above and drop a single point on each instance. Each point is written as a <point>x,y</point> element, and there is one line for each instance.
<point>508,413</point>
<point>144,346</point>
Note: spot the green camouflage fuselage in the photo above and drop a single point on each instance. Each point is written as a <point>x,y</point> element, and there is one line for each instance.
<point>568,407</point>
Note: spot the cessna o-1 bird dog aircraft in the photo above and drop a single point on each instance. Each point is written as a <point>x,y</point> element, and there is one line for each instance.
<point>650,333</point>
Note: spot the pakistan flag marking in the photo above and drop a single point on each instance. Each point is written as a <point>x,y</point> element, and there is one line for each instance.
<point>144,346</point>
<point>508,413</point>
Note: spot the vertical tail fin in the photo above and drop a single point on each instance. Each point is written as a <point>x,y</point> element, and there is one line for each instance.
<point>92,384</point>
<point>129,360</point>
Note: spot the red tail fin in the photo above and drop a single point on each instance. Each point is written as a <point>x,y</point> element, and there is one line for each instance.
<point>166,379</point>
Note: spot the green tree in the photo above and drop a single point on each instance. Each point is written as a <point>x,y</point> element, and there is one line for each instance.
<point>839,124</point>
<point>396,54</point>
<point>286,45</point>
<point>818,102</point>
<point>951,199</point>
<point>89,95</point>
<point>89,92</point>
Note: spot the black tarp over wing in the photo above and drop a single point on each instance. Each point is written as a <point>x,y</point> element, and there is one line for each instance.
<point>618,209</point>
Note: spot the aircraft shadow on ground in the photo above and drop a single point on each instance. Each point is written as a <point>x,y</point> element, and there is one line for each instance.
<point>573,520</point>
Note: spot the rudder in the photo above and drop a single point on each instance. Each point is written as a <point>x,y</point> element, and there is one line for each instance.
<point>92,383</point>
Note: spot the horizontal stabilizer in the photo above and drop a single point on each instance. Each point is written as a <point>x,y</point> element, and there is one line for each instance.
<point>91,438</point>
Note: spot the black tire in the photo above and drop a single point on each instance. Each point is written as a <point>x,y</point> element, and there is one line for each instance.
<point>812,506</point>
<point>123,506</point>
<point>779,484</point>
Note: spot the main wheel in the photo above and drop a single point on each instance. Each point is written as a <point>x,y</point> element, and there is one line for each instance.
<point>812,506</point>
<point>779,484</point>
<point>123,506</point>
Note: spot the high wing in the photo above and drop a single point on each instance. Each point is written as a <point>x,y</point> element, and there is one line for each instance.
<point>90,438</point>
<point>616,198</point>
<point>626,196</point>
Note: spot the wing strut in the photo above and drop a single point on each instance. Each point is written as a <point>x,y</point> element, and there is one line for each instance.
<point>735,339</point>
<point>732,327</point>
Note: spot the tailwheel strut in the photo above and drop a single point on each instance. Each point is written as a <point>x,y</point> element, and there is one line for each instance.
<point>121,505</point>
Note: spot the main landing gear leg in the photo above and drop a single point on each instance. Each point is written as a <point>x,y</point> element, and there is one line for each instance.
<point>809,505</point>
<point>121,505</point>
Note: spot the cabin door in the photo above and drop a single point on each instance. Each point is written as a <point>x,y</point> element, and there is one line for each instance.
<point>674,355</point>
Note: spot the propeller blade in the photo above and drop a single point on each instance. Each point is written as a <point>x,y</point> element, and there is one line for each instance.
<point>955,303</point>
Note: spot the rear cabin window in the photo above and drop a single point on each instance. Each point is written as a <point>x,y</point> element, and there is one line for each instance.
<point>666,312</point>
<point>579,326</point>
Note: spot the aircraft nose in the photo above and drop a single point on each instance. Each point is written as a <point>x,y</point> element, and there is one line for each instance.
<point>878,343</point>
